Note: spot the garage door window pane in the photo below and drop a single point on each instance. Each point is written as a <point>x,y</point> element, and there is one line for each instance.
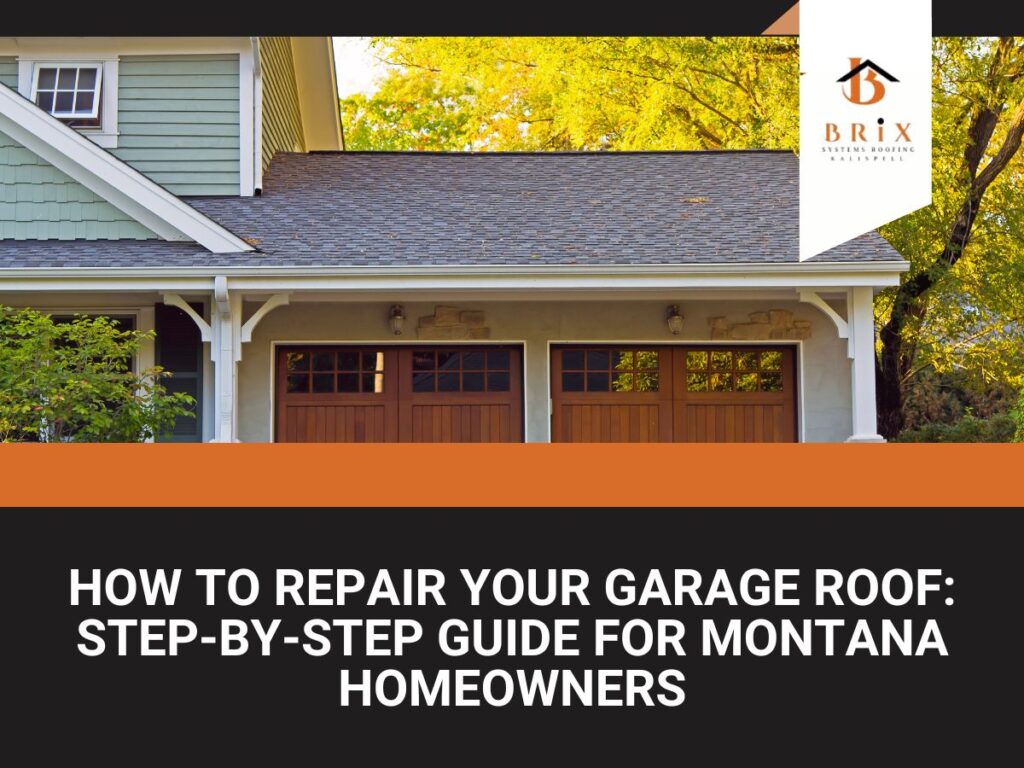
<point>448,360</point>
<point>746,361</point>
<point>323,361</point>
<point>598,359</point>
<point>572,360</point>
<point>472,361</point>
<point>498,382</point>
<point>348,382</point>
<point>497,360</point>
<point>298,382</point>
<point>597,382</point>
<point>721,382</point>
<point>697,361</point>
<point>771,361</point>
<point>646,381</point>
<point>572,382</point>
<point>647,360</point>
<point>422,361</point>
<point>622,382</point>
<point>447,382</point>
<point>771,382</point>
<point>348,361</point>
<point>423,382</point>
<point>721,361</point>
<point>297,361</point>
<point>472,382</point>
<point>323,382</point>
<point>697,382</point>
<point>746,382</point>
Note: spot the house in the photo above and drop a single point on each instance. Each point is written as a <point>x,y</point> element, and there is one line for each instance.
<point>304,293</point>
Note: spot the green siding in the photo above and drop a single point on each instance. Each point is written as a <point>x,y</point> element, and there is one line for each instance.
<point>282,118</point>
<point>9,72</point>
<point>40,202</point>
<point>178,120</point>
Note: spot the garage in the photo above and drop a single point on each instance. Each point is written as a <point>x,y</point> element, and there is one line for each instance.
<point>389,394</point>
<point>691,394</point>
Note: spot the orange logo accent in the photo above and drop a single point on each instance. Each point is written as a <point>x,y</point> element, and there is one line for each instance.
<point>861,74</point>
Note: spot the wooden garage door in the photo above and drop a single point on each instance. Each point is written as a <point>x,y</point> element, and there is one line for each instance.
<point>702,394</point>
<point>340,394</point>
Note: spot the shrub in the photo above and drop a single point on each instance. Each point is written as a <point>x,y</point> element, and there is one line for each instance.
<point>73,381</point>
<point>1017,414</point>
<point>999,428</point>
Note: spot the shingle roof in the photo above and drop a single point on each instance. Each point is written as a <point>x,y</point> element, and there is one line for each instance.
<point>394,209</point>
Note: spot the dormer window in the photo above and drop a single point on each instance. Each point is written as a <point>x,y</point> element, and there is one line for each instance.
<point>69,92</point>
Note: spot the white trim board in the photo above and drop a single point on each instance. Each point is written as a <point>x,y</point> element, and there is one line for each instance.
<point>113,180</point>
<point>457,281</point>
<point>830,275</point>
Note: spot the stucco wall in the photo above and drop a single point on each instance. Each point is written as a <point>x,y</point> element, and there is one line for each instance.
<point>824,405</point>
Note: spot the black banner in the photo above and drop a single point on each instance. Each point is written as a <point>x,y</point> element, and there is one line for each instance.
<point>740,17</point>
<point>940,688</point>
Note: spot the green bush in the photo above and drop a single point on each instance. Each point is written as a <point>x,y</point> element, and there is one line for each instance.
<point>73,381</point>
<point>999,428</point>
<point>1017,414</point>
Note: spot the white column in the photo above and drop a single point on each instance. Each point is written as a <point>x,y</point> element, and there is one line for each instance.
<point>147,349</point>
<point>225,334</point>
<point>146,357</point>
<point>861,319</point>
<point>226,318</point>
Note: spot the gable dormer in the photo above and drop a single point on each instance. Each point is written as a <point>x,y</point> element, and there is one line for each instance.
<point>198,116</point>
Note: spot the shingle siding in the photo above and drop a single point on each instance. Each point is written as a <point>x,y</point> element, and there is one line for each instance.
<point>9,72</point>
<point>282,117</point>
<point>178,119</point>
<point>40,202</point>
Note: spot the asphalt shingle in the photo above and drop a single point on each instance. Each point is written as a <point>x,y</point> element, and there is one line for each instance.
<point>513,209</point>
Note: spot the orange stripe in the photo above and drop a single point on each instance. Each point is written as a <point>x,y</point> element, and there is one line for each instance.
<point>529,475</point>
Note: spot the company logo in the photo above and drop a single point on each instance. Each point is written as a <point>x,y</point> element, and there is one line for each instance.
<point>861,74</point>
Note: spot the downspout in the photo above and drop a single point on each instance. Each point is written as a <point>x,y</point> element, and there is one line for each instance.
<point>257,108</point>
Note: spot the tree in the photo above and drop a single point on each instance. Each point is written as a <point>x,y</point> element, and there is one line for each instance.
<point>73,381</point>
<point>962,304</point>
<point>958,316</point>
<point>580,93</point>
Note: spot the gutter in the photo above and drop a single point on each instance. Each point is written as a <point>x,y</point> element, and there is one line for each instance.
<point>497,273</point>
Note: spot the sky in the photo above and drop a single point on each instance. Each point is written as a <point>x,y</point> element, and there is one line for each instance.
<point>358,69</point>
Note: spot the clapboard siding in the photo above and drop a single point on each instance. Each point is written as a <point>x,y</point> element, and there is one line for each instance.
<point>9,71</point>
<point>40,202</point>
<point>178,119</point>
<point>282,118</point>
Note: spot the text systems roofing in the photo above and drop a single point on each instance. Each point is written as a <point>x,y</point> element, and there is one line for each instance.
<point>493,209</point>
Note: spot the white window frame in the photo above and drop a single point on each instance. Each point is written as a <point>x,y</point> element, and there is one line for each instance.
<point>105,134</point>
<point>78,66</point>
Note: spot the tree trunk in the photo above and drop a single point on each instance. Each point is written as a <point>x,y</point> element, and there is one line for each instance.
<point>895,362</point>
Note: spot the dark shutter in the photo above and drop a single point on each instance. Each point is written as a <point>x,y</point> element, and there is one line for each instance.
<point>179,349</point>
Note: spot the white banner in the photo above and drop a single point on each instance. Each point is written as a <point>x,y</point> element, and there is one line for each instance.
<point>865,117</point>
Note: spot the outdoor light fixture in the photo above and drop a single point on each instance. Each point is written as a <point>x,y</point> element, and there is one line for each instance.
<point>674,320</point>
<point>396,319</point>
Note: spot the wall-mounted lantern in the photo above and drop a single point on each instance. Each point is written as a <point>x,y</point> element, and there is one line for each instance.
<point>674,319</point>
<point>396,319</point>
